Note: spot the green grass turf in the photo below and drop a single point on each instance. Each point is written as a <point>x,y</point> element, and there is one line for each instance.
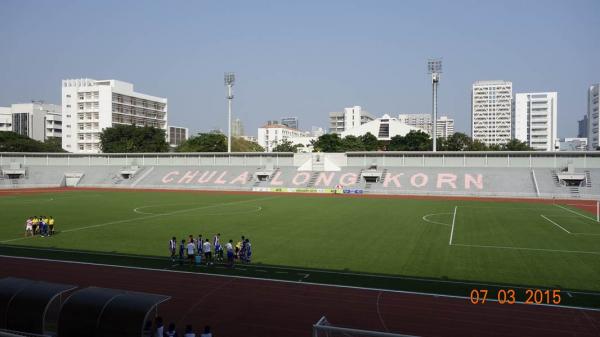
<point>499,243</point>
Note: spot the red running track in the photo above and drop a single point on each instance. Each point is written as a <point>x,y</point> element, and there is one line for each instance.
<point>247,307</point>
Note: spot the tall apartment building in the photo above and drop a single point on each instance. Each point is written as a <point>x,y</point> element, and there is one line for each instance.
<point>445,125</point>
<point>348,119</point>
<point>35,120</point>
<point>237,128</point>
<point>177,135</point>
<point>491,109</point>
<point>582,127</point>
<point>89,106</point>
<point>534,120</point>
<point>5,119</point>
<point>593,107</point>
<point>291,122</point>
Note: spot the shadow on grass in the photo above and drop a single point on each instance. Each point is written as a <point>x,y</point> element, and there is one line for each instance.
<point>442,286</point>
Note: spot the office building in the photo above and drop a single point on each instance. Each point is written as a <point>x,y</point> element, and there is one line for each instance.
<point>177,135</point>
<point>491,109</point>
<point>36,120</point>
<point>348,119</point>
<point>535,118</point>
<point>237,128</point>
<point>593,119</point>
<point>5,119</point>
<point>290,122</point>
<point>445,125</point>
<point>89,106</point>
<point>582,127</point>
<point>273,134</point>
<point>573,144</point>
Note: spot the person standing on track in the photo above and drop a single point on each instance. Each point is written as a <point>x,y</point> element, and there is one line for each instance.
<point>181,252</point>
<point>173,248</point>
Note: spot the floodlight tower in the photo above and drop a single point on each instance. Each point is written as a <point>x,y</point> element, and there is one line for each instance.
<point>434,67</point>
<point>229,80</point>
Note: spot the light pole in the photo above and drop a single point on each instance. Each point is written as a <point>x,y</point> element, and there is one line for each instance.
<point>434,67</point>
<point>229,80</point>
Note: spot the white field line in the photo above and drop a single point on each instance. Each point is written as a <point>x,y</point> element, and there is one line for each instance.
<point>555,224</point>
<point>292,282</point>
<point>147,217</point>
<point>452,230</point>
<point>584,205</point>
<point>426,219</point>
<point>252,210</point>
<point>572,211</point>
<point>532,249</point>
<point>299,271</point>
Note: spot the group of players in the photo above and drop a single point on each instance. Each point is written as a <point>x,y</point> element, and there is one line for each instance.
<point>42,225</point>
<point>197,248</point>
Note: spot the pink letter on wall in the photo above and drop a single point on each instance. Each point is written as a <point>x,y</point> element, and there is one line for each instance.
<point>446,178</point>
<point>423,177</point>
<point>324,179</point>
<point>389,177</point>
<point>187,177</point>
<point>305,176</point>
<point>348,179</point>
<point>204,179</point>
<point>167,178</point>
<point>241,179</point>
<point>477,182</point>
<point>275,181</point>
<point>220,180</point>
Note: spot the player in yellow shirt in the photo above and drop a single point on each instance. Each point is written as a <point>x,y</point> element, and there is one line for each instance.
<point>51,225</point>
<point>35,221</point>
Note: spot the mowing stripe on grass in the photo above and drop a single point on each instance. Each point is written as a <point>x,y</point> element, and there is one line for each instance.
<point>554,223</point>
<point>532,249</point>
<point>147,217</point>
<point>292,282</point>
<point>452,230</point>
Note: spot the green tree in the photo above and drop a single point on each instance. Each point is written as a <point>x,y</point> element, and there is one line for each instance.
<point>412,141</point>
<point>458,142</point>
<point>205,142</point>
<point>352,143</point>
<point>477,145</point>
<point>516,145</point>
<point>14,142</point>
<point>285,146</point>
<point>131,138</point>
<point>369,142</point>
<point>330,142</point>
<point>239,144</point>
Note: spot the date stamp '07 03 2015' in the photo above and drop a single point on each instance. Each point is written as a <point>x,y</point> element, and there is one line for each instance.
<point>509,296</point>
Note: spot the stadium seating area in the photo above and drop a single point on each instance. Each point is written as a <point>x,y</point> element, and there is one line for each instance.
<point>425,175</point>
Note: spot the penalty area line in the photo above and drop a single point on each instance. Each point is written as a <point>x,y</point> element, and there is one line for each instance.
<point>555,224</point>
<point>452,230</point>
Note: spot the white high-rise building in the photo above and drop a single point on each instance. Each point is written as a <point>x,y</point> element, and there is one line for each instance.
<point>273,134</point>
<point>36,120</point>
<point>593,118</point>
<point>348,119</point>
<point>5,119</point>
<point>491,107</point>
<point>445,125</point>
<point>535,121</point>
<point>89,106</point>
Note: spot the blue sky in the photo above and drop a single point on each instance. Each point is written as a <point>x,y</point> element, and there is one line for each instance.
<point>302,58</point>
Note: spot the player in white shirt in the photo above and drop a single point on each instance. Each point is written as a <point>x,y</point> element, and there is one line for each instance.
<point>173,248</point>
<point>191,249</point>
<point>206,248</point>
<point>29,227</point>
<point>230,254</point>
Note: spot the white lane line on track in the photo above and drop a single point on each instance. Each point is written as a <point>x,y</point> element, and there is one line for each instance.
<point>379,313</point>
<point>292,282</point>
<point>148,217</point>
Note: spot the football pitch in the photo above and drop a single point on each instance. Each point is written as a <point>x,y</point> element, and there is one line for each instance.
<point>434,246</point>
